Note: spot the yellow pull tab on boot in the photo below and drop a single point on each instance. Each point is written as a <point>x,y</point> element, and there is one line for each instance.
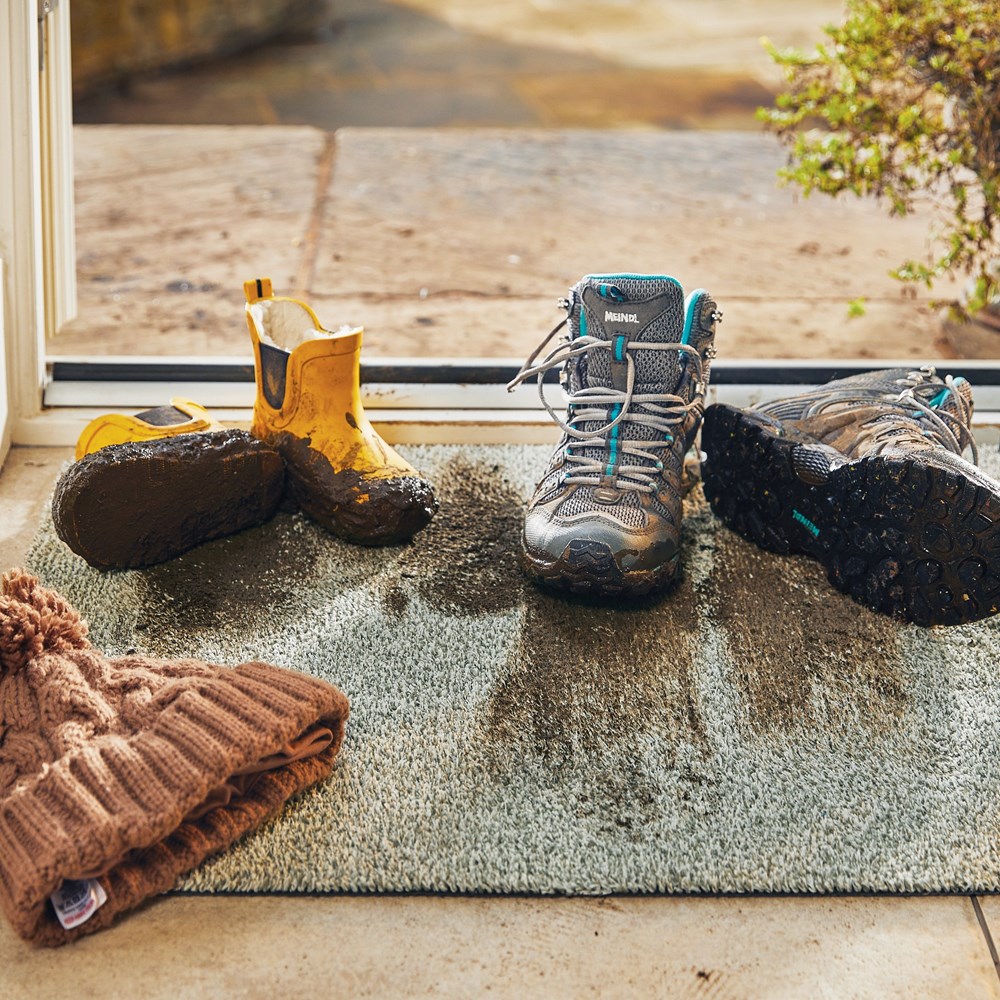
<point>258,288</point>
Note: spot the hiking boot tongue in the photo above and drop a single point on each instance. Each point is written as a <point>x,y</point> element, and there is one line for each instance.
<point>627,310</point>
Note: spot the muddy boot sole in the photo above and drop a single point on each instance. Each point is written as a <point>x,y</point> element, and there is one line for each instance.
<point>900,534</point>
<point>590,568</point>
<point>365,510</point>
<point>141,503</point>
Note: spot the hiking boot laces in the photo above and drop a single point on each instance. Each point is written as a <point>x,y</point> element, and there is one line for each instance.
<point>949,430</point>
<point>661,411</point>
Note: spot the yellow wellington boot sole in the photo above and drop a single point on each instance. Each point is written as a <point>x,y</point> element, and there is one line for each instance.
<point>139,503</point>
<point>372,509</point>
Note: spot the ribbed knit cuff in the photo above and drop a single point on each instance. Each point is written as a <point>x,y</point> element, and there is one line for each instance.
<point>118,804</point>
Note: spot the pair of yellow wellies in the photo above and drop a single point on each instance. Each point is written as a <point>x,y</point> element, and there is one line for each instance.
<point>149,486</point>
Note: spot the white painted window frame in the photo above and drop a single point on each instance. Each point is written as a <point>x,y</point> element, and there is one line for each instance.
<point>5,421</point>
<point>37,247</point>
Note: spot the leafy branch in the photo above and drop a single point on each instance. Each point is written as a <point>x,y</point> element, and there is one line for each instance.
<point>903,102</point>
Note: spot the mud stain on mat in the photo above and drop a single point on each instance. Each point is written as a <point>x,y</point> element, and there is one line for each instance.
<point>465,561</point>
<point>625,800</point>
<point>585,677</point>
<point>590,681</point>
<point>249,579</point>
<point>792,636</point>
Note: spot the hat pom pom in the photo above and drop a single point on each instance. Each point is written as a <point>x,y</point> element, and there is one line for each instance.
<point>34,620</point>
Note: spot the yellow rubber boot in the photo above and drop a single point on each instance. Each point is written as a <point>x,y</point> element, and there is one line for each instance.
<point>182,416</point>
<point>308,408</point>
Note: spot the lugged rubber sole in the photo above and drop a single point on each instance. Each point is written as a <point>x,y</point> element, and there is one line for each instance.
<point>589,567</point>
<point>900,534</point>
<point>139,503</point>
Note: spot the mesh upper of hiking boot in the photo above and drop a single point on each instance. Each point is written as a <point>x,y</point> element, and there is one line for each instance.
<point>870,413</point>
<point>635,368</point>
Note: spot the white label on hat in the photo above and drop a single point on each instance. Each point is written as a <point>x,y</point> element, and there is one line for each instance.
<point>77,900</point>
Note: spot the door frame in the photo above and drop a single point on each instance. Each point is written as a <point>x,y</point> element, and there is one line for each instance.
<point>37,245</point>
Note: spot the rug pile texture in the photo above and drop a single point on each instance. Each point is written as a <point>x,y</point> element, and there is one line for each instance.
<point>750,730</point>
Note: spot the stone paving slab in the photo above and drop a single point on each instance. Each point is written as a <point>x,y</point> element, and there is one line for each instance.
<point>448,324</point>
<point>458,242</point>
<point>170,221</point>
<point>419,946</point>
<point>513,211</point>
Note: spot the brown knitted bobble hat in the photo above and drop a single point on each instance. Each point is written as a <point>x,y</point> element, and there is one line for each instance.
<point>131,771</point>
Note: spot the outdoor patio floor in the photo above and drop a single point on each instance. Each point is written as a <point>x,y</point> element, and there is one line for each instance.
<point>457,242</point>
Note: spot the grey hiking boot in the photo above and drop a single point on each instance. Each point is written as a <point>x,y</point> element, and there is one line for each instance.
<point>605,518</point>
<point>866,475</point>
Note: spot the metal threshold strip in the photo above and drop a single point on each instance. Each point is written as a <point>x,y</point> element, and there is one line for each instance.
<point>423,400</point>
<point>480,371</point>
<point>436,384</point>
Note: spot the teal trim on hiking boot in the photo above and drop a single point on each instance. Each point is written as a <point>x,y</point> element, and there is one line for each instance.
<point>633,277</point>
<point>613,440</point>
<point>943,394</point>
<point>806,523</point>
<point>693,303</point>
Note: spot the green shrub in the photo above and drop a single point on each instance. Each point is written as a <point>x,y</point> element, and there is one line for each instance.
<point>904,101</point>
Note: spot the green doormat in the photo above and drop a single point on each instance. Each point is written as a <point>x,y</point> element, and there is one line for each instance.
<point>752,730</point>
